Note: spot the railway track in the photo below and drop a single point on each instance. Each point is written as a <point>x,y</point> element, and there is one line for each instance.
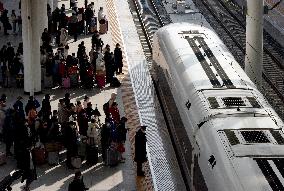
<point>232,32</point>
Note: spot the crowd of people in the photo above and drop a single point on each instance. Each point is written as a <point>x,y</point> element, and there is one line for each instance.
<point>36,132</point>
<point>62,68</point>
<point>35,129</point>
<point>16,21</point>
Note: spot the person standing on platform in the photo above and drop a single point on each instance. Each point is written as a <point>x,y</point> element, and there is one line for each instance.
<point>14,21</point>
<point>19,20</point>
<point>140,149</point>
<point>5,21</point>
<point>118,59</point>
<point>73,26</point>
<point>63,36</point>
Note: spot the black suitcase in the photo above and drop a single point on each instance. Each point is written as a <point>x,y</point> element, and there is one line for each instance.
<point>92,154</point>
<point>115,82</point>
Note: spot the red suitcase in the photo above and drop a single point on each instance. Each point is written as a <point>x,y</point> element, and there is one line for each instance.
<point>39,155</point>
<point>101,81</point>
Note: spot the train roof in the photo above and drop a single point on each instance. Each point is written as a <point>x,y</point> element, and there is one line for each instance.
<point>240,125</point>
<point>213,66</point>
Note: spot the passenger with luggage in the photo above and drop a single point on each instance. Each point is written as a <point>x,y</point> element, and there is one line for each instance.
<point>92,133</point>
<point>100,71</point>
<point>32,103</point>
<point>97,41</point>
<point>114,111</point>
<point>140,149</point>
<point>70,138</point>
<point>28,167</point>
<point>103,21</point>
<point>105,139</point>
<point>83,122</point>
<point>121,131</point>
<point>46,108</point>
<point>63,36</point>
<point>108,104</point>
<point>73,26</point>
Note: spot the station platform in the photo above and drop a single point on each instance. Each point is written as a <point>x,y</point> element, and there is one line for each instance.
<point>97,177</point>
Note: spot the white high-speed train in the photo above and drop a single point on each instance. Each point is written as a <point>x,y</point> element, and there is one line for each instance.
<point>237,139</point>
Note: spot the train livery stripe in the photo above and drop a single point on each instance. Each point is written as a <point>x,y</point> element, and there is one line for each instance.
<point>269,174</point>
<point>210,74</point>
<point>227,82</point>
<point>280,165</point>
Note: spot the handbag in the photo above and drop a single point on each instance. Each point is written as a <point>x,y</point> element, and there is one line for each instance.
<point>120,148</point>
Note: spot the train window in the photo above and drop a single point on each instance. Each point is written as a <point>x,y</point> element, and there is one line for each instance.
<point>233,101</point>
<point>255,137</point>
<point>233,139</point>
<point>277,136</point>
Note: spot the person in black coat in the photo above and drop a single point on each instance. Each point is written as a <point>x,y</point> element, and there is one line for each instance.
<point>140,149</point>
<point>5,21</point>
<point>118,59</point>
<point>77,184</point>
<point>105,138</point>
<point>19,106</point>
<point>32,102</point>
<point>46,108</point>
<point>122,130</point>
<point>70,138</point>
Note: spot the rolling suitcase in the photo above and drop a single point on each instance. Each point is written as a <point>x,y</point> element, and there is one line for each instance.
<point>103,27</point>
<point>101,81</point>
<point>53,158</point>
<point>39,155</point>
<point>66,82</point>
<point>92,154</point>
<point>2,158</point>
<point>48,81</point>
<point>112,156</point>
<point>82,149</point>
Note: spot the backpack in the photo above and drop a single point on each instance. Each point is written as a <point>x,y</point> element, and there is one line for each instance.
<point>106,107</point>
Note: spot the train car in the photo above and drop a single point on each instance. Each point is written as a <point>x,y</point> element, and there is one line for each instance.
<point>237,138</point>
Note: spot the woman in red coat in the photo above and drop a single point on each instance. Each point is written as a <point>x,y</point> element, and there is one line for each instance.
<point>114,111</point>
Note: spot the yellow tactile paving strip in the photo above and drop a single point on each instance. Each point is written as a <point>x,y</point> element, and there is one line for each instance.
<point>128,98</point>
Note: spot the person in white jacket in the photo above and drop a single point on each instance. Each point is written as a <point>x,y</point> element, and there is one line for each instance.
<point>101,14</point>
<point>92,133</point>
<point>63,36</point>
